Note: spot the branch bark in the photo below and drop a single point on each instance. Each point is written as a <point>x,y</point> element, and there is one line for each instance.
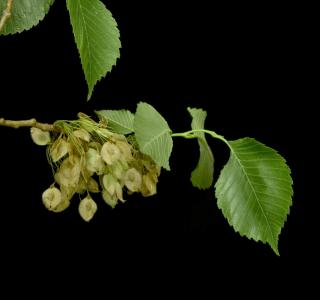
<point>27,123</point>
<point>6,14</point>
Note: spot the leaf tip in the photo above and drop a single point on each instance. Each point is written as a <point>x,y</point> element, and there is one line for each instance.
<point>89,95</point>
<point>97,38</point>
<point>274,247</point>
<point>166,167</point>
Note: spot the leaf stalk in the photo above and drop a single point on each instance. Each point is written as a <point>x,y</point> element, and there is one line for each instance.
<point>6,14</point>
<point>191,134</point>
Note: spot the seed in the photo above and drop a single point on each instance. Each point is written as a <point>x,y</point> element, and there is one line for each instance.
<point>93,186</point>
<point>133,180</point>
<point>69,172</point>
<point>110,153</point>
<point>118,192</point>
<point>94,162</point>
<point>65,200</point>
<point>51,198</point>
<point>125,149</point>
<point>109,183</point>
<point>95,145</point>
<point>40,137</point>
<point>111,200</point>
<point>87,208</point>
<point>82,134</point>
<point>59,149</point>
<point>117,170</point>
<point>149,186</point>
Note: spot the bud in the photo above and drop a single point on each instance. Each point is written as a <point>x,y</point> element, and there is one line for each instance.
<point>51,198</point>
<point>59,149</point>
<point>110,153</point>
<point>87,208</point>
<point>133,180</point>
<point>40,137</point>
<point>82,134</point>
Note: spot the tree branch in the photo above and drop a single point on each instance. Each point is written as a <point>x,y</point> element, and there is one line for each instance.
<point>6,14</point>
<point>27,123</point>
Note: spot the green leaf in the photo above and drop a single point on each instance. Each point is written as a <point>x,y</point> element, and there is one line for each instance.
<point>153,134</point>
<point>24,14</point>
<point>97,38</point>
<point>118,121</point>
<point>202,176</point>
<point>254,191</point>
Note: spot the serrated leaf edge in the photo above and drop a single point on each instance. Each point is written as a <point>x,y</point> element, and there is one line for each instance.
<point>115,122</point>
<point>25,29</point>
<point>90,90</point>
<point>274,247</point>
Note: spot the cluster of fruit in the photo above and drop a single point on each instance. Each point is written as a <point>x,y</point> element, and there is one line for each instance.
<point>88,158</point>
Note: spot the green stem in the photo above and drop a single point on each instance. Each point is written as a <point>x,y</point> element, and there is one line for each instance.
<point>191,134</point>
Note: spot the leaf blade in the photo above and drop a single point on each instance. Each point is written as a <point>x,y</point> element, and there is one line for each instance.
<point>97,38</point>
<point>118,121</point>
<point>202,175</point>
<point>24,15</point>
<point>254,191</point>
<point>153,134</point>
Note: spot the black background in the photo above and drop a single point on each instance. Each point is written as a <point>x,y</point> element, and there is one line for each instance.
<point>244,64</point>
